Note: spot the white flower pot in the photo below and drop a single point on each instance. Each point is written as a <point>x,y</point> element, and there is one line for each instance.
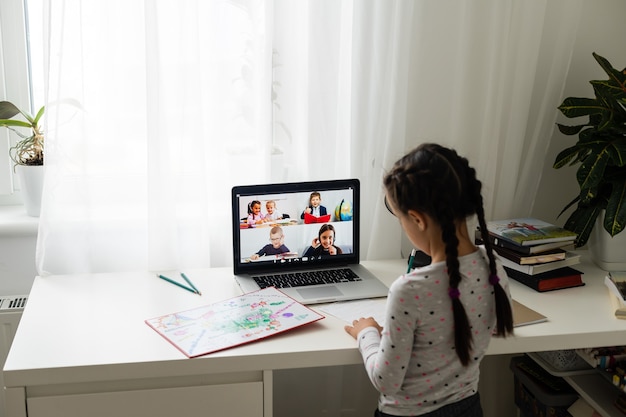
<point>609,253</point>
<point>31,185</point>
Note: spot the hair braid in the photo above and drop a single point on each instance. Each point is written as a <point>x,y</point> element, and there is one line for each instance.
<point>462,332</point>
<point>504,312</point>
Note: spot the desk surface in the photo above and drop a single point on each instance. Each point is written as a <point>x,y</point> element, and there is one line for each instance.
<point>89,328</point>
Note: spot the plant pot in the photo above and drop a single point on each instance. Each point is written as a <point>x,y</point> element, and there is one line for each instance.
<point>31,185</point>
<point>609,253</point>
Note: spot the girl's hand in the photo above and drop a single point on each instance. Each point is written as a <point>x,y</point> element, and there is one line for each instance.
<point>360,324</point>
<point>332,250</point>
<point>315,242</point>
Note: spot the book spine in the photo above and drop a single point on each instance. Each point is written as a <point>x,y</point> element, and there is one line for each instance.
<point>559,283</point>
<point>502,243</point>
<point>545,284</point>
<point>525,279</point>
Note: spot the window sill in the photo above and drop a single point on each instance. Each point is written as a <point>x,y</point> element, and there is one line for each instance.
<point>15,222</point>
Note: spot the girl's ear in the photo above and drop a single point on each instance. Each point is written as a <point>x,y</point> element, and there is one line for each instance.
<point>420,220</point>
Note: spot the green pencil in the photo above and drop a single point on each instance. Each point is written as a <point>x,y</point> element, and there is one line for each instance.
<point>182,274</point>
<point>171,281</point>
<point>411,260</point>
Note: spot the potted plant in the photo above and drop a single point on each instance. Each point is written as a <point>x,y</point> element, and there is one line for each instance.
<point>601,153</point>
<point>28,152</point>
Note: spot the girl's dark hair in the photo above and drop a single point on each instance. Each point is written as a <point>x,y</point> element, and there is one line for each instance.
<point>436,181</point>
<point>252,204</point>
<point>325,227</point>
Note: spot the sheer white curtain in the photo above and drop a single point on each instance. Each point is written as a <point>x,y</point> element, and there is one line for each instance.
<point>175,111</point>
<point>484,77</point>
<point>182,100</point>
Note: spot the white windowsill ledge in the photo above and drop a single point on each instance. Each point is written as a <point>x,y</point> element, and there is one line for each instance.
<point>15,222</point>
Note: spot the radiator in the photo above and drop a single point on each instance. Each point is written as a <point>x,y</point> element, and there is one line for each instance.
<point>11,307</point>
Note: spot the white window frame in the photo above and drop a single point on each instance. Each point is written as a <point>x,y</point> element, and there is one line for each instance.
<point>14,84</point>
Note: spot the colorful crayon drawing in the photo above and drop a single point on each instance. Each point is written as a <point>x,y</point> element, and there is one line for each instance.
<point>233,322</point>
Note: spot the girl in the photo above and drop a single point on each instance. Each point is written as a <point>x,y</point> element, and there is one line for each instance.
<point>272,214</point>
<point>254,213</point>
<point>324,244</point>
<point>440,318</point>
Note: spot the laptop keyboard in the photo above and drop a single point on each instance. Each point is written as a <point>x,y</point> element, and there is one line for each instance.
<point>302,279</point>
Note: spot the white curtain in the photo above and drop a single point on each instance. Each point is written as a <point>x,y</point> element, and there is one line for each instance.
<point>181,100</point>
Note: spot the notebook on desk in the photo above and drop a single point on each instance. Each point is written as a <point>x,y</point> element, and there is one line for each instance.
<point>289,254</point>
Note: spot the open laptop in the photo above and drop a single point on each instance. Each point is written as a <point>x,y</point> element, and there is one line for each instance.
<point>286,251</point>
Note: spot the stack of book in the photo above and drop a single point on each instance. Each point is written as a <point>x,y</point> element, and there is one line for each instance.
<point>536,253</point>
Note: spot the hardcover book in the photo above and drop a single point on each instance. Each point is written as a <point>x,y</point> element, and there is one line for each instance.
<point>530,259</point>
<point>571,258</point>
<point>557,279</point>
<point>526,250</point>
<point>529,231</point>
<point>309,218</point>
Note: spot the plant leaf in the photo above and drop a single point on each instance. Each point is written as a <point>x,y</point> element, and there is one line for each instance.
<point>17,123</point>
<point>39,114</point>
<point>618,152</point>
<point>615,217</point>
<point>8,110</point>
<point>581,106</point>
<point>591,171</point>
<point>581,221</point>
<point>565,156</point>
<point>607,87</point>
<point>570,130</point>
<point>618,77</point>
<point>570,204</point>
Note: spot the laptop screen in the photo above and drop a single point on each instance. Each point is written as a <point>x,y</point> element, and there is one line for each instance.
<point>295,225</point>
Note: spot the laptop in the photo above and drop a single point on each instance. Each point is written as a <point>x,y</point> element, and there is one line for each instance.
<point>301,241</point>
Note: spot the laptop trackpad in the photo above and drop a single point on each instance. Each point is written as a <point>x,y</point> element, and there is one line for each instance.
<point>319,292</point>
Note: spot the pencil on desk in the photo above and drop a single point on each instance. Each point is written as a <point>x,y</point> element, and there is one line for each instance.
<point>171,281</point>
<point>182,274</point>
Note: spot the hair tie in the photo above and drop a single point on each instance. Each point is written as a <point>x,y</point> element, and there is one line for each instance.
<point>454,293</point>
<point>493,279</point>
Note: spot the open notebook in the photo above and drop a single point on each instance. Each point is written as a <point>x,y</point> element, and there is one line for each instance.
<point>292,249</point>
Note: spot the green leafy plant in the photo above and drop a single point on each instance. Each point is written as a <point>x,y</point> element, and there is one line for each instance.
<point>28,150</point>
<point>601,153</point>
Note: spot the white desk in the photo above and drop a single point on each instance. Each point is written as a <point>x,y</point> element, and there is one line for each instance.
<point>82,347</point>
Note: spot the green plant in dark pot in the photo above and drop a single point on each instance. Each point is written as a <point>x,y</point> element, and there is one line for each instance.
<point>601,153</point>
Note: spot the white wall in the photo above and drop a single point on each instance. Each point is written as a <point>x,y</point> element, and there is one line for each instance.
<point>18,240</point>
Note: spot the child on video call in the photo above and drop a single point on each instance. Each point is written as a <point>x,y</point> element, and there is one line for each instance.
<point>439,318</point>
<point>254,213</point>
<point>315,207</point>
<point>272,214</point>
<point>323,244</point>
<point>276,247</point>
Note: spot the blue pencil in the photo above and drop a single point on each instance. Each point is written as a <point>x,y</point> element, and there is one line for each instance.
<point>171,281</point>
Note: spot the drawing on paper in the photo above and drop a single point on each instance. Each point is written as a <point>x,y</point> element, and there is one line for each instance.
<point>233,322</point>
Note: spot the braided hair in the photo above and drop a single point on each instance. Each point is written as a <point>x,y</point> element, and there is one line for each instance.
<point>436,181</point>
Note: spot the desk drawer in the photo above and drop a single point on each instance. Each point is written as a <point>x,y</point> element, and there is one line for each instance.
<point>241,399</point>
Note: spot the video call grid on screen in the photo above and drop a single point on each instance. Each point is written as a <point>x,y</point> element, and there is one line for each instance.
<point>298,236</point>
